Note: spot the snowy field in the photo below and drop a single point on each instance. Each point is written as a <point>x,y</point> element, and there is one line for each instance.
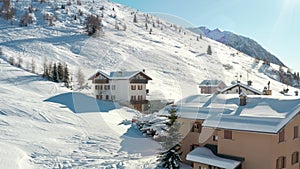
<point>43,125</point>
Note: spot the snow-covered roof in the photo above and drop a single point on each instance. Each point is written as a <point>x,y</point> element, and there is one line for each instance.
<point>204,155</point>
<point>120,75</point>
<point>210,82</point>
<point>266,114</point>
<point>243,86</point>
<point>123,74</point>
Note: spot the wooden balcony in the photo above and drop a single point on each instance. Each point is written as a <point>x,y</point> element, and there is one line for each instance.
<point>139,101</point>
<point>144,81</point>
<point>100,81</point>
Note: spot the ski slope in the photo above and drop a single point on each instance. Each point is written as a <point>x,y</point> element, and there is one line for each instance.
<point>38,131</point>
<point>44,125</point>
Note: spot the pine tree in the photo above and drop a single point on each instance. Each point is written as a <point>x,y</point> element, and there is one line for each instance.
<point>135,19</point>
<point>209,52</point>
<point>170,157</point>
<point>46,69</point>
<point>66,77</point>
<point>60,72</point>
<point>54,73</point>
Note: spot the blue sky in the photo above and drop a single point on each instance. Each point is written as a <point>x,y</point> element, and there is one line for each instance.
<point>275,24</point>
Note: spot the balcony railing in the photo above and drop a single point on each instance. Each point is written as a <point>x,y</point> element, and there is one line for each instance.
<point>139,101</point>
<point>100,81</point>
<point>139,81</point>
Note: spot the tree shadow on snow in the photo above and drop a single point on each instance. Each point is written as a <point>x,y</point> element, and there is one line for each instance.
<point>81,103</point>
<point>133,142</point>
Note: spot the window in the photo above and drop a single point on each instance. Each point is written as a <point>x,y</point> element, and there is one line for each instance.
<point>197,127</point>
<point>101,87</point>
<point>133,97</point>
<point>107,97</point>
<point>280,163</point>
<point>227,134</point>
<point>296,132</point>
<point>140,87</point>
<point>133,87</point>
<point>140,97</point>
<point>113,87</point>
<point>281,136</point>
<point>98,96</point>
<point>215,138</point>
<point>106,87</point>
<point>96,87</point>
<point>295,157</point>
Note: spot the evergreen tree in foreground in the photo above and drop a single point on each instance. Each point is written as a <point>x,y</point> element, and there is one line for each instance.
<point>170,157</point>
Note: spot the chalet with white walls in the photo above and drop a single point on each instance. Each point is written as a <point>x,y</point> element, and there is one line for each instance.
<point>125,87</point>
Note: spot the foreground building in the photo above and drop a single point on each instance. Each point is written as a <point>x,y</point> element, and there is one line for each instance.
<point>125,87</point>
<point>240,132</point>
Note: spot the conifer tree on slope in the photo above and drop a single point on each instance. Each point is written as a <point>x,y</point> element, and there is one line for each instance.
<point>170,157</point>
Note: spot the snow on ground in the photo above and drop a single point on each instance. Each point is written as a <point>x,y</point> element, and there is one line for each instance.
<point>174,59</point>
<point>40,123</point>
<point>38,131</point>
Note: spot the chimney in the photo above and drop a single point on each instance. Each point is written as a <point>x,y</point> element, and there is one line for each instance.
<point>249,82</point>
<point>243,99</point>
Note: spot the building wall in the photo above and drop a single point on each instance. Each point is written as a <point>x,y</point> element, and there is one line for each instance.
<point>121,90</point>
<point>287,147</point>
<point>262,150</point>
<point>254,147</point>
<point>211,89</point>
<point>137,92</point>
<point>194,138</point>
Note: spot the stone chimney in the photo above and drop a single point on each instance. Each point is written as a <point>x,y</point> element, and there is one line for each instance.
<point>243,99</point>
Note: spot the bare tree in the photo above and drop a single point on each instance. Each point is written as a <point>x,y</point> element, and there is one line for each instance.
<point>93,24</point>
<point>33,65</point>
<point>80,77</point>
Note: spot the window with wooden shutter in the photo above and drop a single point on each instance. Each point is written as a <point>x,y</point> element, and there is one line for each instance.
<point>296,132</point>
<point>227,134</point>
<point>295,157</point>
<point>280,163</point>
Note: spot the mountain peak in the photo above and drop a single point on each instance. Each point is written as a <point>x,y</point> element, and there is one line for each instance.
<point>241,43</point>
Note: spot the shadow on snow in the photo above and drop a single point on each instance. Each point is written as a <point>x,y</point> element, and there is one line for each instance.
<point>81,103</point>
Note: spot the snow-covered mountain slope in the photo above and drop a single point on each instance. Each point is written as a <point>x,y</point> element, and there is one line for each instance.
<point>36,133</point>
<point>241,43</point>
<point>41,127</point>
<point>172,56</point>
